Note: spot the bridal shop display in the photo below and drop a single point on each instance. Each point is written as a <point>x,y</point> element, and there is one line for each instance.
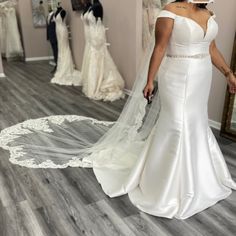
<point>164,155</point>
<point>101,79</point>
<point>11,46</point>
<point>66,74</point>
<point>99,76</point>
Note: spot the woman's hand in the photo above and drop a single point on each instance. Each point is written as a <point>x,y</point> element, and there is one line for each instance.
<point>148,90</point>
<point>231,80</point>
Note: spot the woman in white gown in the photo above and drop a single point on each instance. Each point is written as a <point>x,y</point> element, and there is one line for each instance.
<point>66,74</point>
<point>100,77</point>
<point>163,155</point>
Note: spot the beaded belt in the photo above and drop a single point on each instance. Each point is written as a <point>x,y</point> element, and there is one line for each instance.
<point>202,55</point>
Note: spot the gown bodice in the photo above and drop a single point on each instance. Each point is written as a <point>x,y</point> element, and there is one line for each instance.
<point>94,30</point>
<point>188,37</point>
<point>58,19</point>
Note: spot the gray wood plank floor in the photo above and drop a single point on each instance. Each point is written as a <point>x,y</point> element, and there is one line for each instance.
<point>70,202</point>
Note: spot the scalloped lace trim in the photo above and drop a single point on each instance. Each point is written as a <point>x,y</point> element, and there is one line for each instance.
<point>10,134</point>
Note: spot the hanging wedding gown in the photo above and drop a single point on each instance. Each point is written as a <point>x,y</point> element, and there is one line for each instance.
<point>146,34</point>
<point>66,74</point>
<point>101,79</point>
<point>11,45</point>
<point>151,9</point>
<point>155,8</point>
<point>2,31</point>
<point>164,155</point>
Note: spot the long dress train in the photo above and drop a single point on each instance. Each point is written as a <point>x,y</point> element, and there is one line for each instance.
<point>164,156</point>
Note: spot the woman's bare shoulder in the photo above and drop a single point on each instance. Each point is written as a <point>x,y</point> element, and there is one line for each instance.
<point>210,12</point>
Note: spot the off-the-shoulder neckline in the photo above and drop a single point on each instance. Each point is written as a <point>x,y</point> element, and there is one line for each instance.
<point>207,23</point>
<point>212,13</point>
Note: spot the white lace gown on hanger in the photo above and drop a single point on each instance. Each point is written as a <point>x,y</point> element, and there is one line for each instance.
<point>13,42</point>
<point>11,45</point>
<point>151,9</point>
<point>66,74</point>
<point>87,46</point>
<point>155,8</point>
<point>145,24</point>
<point>100,77</point>
<point>2,31</point>
<point>170,166</point>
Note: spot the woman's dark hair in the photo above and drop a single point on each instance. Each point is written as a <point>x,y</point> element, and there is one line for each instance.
<point>200,5</point>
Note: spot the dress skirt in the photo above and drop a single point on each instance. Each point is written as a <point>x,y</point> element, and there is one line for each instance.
<point>180,170</point>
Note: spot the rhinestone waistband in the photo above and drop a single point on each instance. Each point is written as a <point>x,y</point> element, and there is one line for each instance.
<point>202,55</point>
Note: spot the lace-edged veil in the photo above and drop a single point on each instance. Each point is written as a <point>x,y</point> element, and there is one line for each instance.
<point>79,141</point>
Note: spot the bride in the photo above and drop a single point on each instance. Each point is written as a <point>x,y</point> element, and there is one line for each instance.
<point>163,153</point>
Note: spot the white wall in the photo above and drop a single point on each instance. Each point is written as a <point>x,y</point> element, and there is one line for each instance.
<point>34,39</point>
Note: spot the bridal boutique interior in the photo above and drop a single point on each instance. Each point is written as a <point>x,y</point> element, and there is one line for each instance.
<point>77,57</point>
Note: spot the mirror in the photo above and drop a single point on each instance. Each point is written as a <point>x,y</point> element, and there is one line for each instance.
<point>228,128</point>
<point>10,40</point>
<point>40,10</point>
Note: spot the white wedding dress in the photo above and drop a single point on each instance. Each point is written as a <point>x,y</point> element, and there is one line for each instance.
<point>151,9</point>
<point>66,74</point>
<point>100,77</point>
<point>10,40</point>
<point>163,155</point>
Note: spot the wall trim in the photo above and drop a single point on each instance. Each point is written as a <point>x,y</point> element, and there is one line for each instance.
<point>127,91</point>
<point>212,123</point>
<point>2,75</point>
<point>52,63</point>
<point>38,58</point>
<point>215,124</point>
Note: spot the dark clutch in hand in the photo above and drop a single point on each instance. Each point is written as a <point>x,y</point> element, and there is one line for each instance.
<point>151,96</point>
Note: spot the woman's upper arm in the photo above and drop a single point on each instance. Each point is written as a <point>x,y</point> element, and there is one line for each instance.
<point>212,45</point>
<point>163,30</point>
<point>164,25</point>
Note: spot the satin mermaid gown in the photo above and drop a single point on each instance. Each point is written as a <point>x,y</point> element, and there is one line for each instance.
<point>181,169</point>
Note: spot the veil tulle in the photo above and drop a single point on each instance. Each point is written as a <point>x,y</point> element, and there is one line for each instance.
<point>78,141</point>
